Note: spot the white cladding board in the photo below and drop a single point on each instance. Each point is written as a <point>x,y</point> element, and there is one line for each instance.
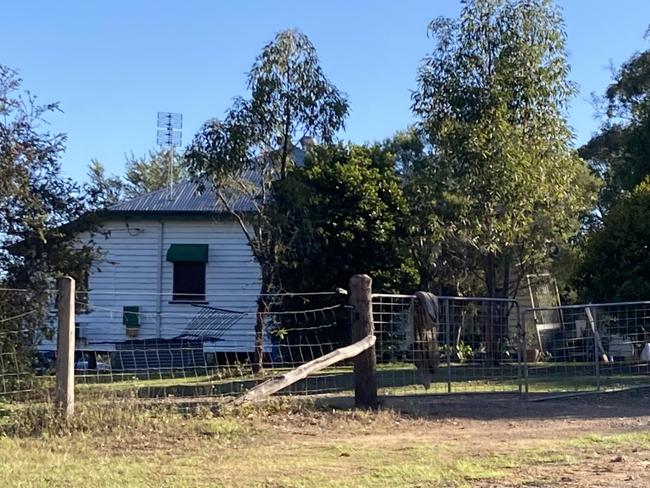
<point>133,271</point>
<point>233,279</point>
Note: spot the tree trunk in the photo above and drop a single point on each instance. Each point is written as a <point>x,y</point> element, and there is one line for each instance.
<point>489,316</point>
<point>260,318</point>
<point>501,318</point>
<point>505,290</point>
<point>258,355</point>
<point>496,313</point>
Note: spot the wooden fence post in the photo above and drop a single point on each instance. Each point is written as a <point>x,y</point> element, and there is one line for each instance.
<point>64,396</point>
<point>365,364</point>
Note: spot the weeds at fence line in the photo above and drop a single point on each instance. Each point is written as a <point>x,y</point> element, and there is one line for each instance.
<point>123,418</point>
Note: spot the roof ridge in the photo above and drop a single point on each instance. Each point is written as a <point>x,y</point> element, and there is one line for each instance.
<point>183,181</point>
<point>185,198</point>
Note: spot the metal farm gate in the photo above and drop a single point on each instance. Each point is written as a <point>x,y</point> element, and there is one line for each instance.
<point>478,345</point>
<point>489,345</point>
<point>589,347</point>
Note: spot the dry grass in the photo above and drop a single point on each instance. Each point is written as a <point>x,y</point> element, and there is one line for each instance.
<point>293,443</point>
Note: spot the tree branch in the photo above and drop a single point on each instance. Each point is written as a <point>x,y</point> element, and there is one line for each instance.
<point>241,223</point>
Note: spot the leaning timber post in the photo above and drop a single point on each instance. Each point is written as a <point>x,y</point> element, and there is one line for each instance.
<point>365,364</point>
<point>64,395</point>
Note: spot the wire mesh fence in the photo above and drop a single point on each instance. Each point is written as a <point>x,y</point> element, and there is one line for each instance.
<point>478,346</point>
<point>587,347</point>
<point>23,321</point>
<point>208,349</point>
<point>160,348</point>
<point>425,344</point>
<point>17,379</point>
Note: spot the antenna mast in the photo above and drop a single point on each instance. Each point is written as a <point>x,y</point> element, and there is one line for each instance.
<point>169,136</point>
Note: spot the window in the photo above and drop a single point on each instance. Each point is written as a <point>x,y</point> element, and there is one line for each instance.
<point>189,282</point>
<point>189,271</point>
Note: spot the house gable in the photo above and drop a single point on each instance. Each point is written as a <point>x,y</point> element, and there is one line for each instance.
<point>134,239</point>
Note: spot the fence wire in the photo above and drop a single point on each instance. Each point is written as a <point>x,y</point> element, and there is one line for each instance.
<point>587,347</point>
<point>21,326</point>
<point>16,375</point>
<point>478,346</point>
<point>159,348</point>
<point>187,350</point>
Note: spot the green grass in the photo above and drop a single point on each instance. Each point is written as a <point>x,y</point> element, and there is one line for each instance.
<point>239,462</point>
<point>393,379</point>
<point>125,445</point>
<point>612,441</point>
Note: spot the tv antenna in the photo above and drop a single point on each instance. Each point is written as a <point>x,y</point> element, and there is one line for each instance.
<point>169,136</point>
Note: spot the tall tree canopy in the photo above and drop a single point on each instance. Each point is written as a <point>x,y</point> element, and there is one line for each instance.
<point>342,214</point>
<point>151,172</point>
<point>35,204</point>
<point>244,154</point>
<point>143,175</point>
<point>502,181</point>
<point>616,261</point>
<point>620,152</point>
<point>103,190</point>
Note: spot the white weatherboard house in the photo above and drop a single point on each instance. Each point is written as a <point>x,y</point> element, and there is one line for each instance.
<point>174,266</point>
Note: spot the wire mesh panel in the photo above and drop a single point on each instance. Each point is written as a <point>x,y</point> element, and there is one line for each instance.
<point>147,345</point>
<point>473,344</point>
<point>192,350</point>
<point>425,343</point>
<point>588,347</point>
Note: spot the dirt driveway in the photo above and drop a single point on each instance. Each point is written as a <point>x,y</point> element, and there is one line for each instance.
<point>420,441</point>
<point>586,441</point>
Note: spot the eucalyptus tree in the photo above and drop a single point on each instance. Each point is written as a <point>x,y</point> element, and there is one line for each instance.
<point>103,190</point>
<point>491,102</point>
<point>151,172</point>
<point>144,174</point>
<point>620,152</point>
<point>614,258</point>
<point>255,144</point>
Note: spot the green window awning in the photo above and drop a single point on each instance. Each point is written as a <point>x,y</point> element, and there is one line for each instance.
<point>131,316</point>
<point>188,253</point>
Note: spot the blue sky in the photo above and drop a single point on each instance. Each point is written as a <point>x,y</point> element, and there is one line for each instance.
<point>113,65</point>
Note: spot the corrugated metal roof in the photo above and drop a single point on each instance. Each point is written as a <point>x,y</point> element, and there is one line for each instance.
<point>186,196</point>
<point>189,196</point>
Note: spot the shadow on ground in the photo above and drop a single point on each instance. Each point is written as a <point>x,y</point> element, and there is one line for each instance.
<point>494,406</point>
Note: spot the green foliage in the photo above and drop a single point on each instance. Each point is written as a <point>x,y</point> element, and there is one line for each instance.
<point>502,181</point>
<point>620,153</point>
<point>460,352</point>
<point>291,100</point>
<point>103,190</point>
<point>243,155</point>
<point>149,173</point>
<point>440,268</point>
<point>616,261</point>
<point>342,214</point>
<point>143,175</point>
<point>36,203</point>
